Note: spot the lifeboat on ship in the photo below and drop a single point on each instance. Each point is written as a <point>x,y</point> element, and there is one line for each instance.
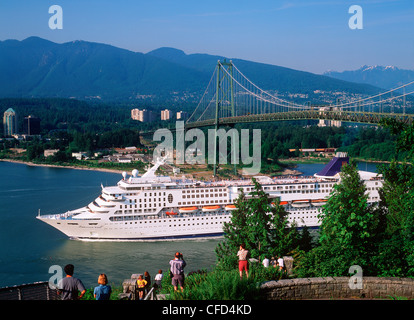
<point>300,203</point>
<point>281,203</point>
<point>318,202</point>
<point>188,209</point>
<point>230,207</point>
<point>171,213</point>
<point>210,208</point>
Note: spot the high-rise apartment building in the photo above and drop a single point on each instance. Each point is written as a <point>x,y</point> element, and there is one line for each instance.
<point>182,115</point>
<point>142,115</point>
<point>135,114</point>
<point>10,122</point>
<point>32,125</point>
<point>165,114</point>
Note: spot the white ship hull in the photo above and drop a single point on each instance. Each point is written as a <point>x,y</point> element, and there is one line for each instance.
<point>159,229</point>
<point>151,208</point>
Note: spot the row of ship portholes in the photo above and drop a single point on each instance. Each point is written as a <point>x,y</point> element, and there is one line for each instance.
<point>188,224</point>
<point>300,218</point>
<point>133,218</point>
<point>297,216</point>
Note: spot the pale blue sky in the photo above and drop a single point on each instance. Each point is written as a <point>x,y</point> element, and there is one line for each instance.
<point>307,35</point>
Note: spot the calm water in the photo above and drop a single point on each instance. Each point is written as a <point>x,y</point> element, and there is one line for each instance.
<point>311,169</point>
<point>29,247</point>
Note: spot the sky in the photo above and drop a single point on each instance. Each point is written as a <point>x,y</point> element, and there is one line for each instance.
<point>307,35</point>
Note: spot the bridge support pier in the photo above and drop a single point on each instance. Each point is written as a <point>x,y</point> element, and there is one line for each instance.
<point>220,96</point>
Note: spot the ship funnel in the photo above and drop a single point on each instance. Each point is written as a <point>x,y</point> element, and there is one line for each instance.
<point>334,166</point>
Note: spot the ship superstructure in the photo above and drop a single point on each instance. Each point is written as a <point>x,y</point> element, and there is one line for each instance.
<point>152,207</point>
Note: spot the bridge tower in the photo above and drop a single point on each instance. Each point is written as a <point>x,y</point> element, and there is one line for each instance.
<point>224,94</point>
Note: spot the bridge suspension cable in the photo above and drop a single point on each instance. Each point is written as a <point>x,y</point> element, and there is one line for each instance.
<point>377,102</point>
<point>283,103</point>
<point>204,94</point>
<point>267,93</point>
<point>232,94</point>
<point>379,95</point>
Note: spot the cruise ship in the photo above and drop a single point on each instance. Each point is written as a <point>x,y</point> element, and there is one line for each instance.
<point>153,207</point>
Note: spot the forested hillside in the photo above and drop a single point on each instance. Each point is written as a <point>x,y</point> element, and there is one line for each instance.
<point>36,67</point>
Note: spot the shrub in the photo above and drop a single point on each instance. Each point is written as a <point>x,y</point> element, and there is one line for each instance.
<point>220,284</point>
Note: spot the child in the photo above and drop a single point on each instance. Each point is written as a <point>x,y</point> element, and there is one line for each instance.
<point>141,283</point>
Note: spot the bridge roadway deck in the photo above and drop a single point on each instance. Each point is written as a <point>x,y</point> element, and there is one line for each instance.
<point>344,116</point>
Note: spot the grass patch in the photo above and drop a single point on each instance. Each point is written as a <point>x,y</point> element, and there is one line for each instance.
<point>223,284</point>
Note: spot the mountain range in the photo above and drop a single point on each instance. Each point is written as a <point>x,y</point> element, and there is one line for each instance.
<point>36,67</point>
<point>387,77</point>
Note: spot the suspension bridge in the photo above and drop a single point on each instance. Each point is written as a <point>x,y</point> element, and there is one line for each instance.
<point>231,98</point>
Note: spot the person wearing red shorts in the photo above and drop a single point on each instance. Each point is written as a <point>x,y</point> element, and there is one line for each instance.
<point>243,255</point>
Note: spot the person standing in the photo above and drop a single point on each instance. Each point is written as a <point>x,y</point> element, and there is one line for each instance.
<point>266,262</point>
<point>243,255</point>
<point>177,269</point>
<point>158,279</point>
<point>280,262</point>
<point>141,283</point>
<point>147,278</point>
<point>70,286</point>
<point>103,291</point>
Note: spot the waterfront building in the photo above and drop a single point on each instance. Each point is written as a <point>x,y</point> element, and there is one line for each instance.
<point>80,155</point>
<point>50,152</point>
<point>32,125</point>
<point>10,122</point>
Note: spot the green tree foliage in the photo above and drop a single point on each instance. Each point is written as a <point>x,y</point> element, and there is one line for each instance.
<point>34,151</point>
<point>370,143</point>
<point>120,138</point>
<point>260,225</point>
<point>223,285</point>
<point>380,239</point>
<point>397,202</point>
<point>348,232</point>
<point>278,138</point>
<point>348,221</point>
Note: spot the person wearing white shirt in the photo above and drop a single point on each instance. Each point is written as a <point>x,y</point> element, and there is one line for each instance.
<point>266,262</point>
<point>280,263</point>
<point>158,279</point>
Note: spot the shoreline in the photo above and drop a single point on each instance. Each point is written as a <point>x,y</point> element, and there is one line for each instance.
<point>290,170</point>
<point>296,161</point>
<point>286,171</point>
<point>61,166</point>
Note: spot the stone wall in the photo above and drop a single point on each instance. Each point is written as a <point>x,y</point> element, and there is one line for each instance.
<point>337,288</point>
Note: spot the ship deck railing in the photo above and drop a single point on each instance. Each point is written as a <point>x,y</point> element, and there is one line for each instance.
<point>60,216</point>
<point>270,181</point>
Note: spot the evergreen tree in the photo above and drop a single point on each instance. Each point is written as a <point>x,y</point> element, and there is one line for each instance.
<point>34,151</point>
<point>396,256</point>
<point>260,225</point>
<point>305,241</point>
<point>348,231</point>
